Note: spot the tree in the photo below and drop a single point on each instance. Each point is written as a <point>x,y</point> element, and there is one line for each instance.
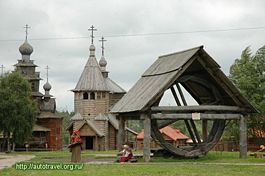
<point>17,110</point>
<point>248,74</point>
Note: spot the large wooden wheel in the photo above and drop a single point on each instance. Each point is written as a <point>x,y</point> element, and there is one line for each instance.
<point>199,146</point>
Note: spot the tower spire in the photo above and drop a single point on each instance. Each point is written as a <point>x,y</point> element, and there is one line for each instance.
<point>92,29</point>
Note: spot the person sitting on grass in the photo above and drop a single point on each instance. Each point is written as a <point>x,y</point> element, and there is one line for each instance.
<point>126,154</point>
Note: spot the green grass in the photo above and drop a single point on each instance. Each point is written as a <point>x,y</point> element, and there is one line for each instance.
<point>213,164</point>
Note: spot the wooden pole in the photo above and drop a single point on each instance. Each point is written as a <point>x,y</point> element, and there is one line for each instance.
<point>121,133</point>
<point>243,137</point>
<point>147,136</point>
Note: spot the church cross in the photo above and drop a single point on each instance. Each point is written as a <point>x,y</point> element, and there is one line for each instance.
<point>102,44</point>
<point>2,70</point>
<point>47,72</point>
<point>26,27</point>
<point>92,29</point>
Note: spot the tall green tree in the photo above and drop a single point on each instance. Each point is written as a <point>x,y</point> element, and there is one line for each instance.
<point>248,74</point>
<point>17,110</point>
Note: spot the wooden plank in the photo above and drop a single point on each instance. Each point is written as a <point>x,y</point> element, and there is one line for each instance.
<point>188,116</point>
<point>147,137</point>
<point>199,108</point>
<point>243,138</point>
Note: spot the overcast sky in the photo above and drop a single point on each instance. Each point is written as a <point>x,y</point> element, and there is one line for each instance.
<point>127,56</point>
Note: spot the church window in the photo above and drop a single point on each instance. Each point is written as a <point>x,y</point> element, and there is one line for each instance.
<point>92,96</point>
<point>85,96</point>
<point>103,95</point>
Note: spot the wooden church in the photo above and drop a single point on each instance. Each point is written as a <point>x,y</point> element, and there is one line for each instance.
<point>47,131</point>
<point>94,95</point>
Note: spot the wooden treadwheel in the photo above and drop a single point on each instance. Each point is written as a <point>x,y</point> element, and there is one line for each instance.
<point>199,146</point>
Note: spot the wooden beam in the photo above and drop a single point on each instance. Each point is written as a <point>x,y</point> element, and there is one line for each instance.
<point>188,116</point>
<point>190,131</point>
<point>199,108</point>
<point>195,131</point>
<point>243,137</point>
<point>181,95</point>
<point>175,95</point>
<point>147,137</point>
<point>121,133</point>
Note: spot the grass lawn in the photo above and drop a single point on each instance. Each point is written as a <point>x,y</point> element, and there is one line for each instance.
<point>214,164</point>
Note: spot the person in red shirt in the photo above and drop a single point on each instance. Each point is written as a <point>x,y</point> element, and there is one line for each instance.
<point>75,146</point>
<point>126,154</point>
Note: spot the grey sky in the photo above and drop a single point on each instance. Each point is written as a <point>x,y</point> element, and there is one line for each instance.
<point>127,57</point>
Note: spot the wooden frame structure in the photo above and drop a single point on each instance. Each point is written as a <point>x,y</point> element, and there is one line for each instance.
<point>195,71</point>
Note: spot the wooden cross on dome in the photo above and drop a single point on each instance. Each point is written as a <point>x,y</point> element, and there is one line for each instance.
<point>47,72</point>
<point>26,27</point>
<point>102,44</point>
<point>92,29</point>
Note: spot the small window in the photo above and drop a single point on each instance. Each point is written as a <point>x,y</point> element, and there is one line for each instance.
<point>92,96</point>
<point>32,86</point>
<point>103,95</point>
<point>98,95</point>
<point>85,96</point>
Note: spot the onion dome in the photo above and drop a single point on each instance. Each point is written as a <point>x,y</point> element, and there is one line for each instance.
<point>102,62</point>
<point>47,86</point>
<point>25,48</point>
<point>92,49</point>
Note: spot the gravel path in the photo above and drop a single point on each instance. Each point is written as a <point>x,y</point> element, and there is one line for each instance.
<point>9,160</point>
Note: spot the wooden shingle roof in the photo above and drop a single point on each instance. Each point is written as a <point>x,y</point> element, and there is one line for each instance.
<point>168,69</point>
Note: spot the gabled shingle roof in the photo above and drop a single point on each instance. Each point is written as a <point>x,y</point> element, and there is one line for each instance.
<point>168,69</point>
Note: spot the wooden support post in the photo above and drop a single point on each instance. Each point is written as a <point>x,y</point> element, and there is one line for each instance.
<point>147,137</point>
<point>96,143</point>
<point>243,137</point>
<point>204,130</point>
<point>121,133</point>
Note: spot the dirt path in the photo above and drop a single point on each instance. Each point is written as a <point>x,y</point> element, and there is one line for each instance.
<point>9,160</point>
